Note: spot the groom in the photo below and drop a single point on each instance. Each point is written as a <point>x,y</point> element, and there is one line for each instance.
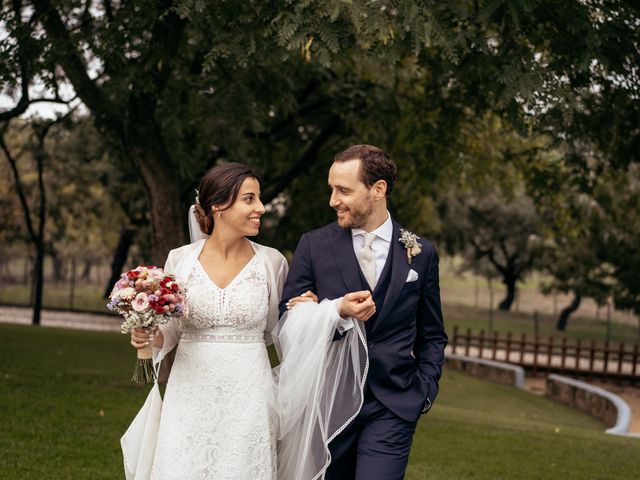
<point>366,251</point>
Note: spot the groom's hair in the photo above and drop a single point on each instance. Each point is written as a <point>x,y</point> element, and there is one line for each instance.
<point>375,164</point>
<point>219,186</point>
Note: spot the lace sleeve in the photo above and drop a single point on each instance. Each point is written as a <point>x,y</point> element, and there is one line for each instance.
<point>171,330</point>
<point>277,269</point>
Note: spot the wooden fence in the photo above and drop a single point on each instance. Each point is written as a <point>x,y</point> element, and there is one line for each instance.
<point>578,357</point>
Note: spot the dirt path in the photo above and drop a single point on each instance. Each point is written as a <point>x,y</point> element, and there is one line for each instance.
<point>54,318</point>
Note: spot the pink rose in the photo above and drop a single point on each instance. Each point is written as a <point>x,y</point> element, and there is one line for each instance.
<point>140,303</point>
<point>156,273</point>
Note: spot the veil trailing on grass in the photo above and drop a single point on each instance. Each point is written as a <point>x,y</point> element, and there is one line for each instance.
<point>320,386</point>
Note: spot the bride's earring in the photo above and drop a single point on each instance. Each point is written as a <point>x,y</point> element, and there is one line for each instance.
<point>219,213</point>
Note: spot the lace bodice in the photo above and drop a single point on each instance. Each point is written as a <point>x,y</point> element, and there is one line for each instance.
<point>237,312</point>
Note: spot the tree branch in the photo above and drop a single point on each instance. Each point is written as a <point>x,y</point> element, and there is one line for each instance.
<point>307,158</point>
<point>75,69</point>
<point>13,164</point>
<point>25,78</point>
<point>166,36</point>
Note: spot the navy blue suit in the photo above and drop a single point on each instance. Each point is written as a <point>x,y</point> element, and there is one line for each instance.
<point>406,341</point>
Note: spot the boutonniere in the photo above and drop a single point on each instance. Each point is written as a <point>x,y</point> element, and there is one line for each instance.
<point>410,242</point>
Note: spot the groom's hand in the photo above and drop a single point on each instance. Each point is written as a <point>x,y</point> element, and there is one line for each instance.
<point>359,305</point>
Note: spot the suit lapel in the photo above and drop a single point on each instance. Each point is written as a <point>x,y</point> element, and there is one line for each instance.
<point>345,258</point>
<point>399,271</point>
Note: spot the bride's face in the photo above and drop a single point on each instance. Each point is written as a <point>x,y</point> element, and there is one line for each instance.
<point>244,215</point>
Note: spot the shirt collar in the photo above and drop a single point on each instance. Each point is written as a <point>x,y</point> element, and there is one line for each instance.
<point>384,231</point>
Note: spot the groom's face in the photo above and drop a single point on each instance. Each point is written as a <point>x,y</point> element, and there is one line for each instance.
<point>350,197</point>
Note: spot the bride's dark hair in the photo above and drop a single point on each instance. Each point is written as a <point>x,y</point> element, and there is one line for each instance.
<point>220,187</point>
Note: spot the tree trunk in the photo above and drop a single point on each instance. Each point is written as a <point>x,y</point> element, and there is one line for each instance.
<point>147,149</point>
<point>38,283</point>
<point>85,276</point>
<point>119,258</point>
<point>510,283</point>
<point>567,311</point>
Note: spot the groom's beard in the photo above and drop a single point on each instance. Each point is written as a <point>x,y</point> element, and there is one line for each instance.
<point>357,216</point>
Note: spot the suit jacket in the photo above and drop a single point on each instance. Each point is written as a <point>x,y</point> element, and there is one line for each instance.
<point>406,337</point>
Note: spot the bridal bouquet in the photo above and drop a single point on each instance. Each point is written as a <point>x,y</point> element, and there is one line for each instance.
<point>146,297</point>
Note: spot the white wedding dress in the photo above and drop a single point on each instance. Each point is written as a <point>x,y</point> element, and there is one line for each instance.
<point>221,414</point>
<point>218,419</point>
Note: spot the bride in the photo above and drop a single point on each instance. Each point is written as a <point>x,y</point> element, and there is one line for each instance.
<point>221,416</point>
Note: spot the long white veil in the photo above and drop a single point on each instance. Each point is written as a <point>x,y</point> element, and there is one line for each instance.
<point>320,386</point>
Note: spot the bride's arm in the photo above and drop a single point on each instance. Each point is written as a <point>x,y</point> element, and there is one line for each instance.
<point>168,334</point>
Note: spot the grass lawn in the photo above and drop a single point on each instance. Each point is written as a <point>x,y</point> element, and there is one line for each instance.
<point>478,430</point>
<point>65,400</point>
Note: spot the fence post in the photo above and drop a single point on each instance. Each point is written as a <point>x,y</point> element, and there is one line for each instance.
<point>606,355</point>
<point>620,357</point>
<point>508,347</point>
<point>564,352</point>
<point>578,352</point>
<point>466,347</point>
<point>455,338</point>
<point>635,360</point>
<point>523,342</point>
<point>490,282</point>
<point>481,346</point>
<point>495,345</point>
<point>549,351</point>
<point>608,322</point>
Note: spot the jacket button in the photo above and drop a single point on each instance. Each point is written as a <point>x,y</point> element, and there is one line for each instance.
<point>370,344</point>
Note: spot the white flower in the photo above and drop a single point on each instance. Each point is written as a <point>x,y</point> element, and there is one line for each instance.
<point>411,244</point>
<point>127,293</point>
<point>140,303</point>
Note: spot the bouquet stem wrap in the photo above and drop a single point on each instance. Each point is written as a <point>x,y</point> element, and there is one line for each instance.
<point>143,371</point>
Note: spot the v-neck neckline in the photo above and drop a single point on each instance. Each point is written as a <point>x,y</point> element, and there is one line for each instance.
<point>201,247</point>
<point>233,280</point>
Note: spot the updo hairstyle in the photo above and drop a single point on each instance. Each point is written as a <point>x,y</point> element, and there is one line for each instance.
<point>220,186</point>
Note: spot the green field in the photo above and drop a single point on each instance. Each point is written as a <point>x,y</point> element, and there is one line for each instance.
<point>65,400</point>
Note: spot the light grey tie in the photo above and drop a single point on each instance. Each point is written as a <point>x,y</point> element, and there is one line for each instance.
<point>367,260</point>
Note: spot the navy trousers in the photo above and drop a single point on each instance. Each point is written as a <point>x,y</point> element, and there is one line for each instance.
<point>374,447</point>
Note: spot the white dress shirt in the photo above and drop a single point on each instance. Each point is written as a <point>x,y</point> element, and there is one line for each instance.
<point>380,245</point>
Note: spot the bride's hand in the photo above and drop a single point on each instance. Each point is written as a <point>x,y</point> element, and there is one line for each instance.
<point>142,337</point>
<point>307,296</point>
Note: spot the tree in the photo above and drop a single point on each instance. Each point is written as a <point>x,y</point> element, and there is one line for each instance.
<point>32,214</point>
<point>176,86</point>
<point>486,229</point>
